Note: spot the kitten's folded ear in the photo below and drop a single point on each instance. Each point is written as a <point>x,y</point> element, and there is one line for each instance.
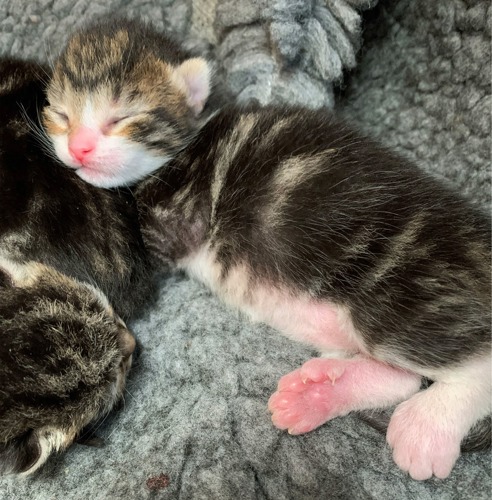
<point>193,78</point>
<point>21,455</point>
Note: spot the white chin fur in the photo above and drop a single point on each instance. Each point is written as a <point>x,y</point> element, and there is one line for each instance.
<point>125,175</point>
<point>61,149</point>
<point>118,162</point>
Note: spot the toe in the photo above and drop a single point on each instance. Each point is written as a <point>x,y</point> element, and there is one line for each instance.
<point>285,419</point>
<point>321,369</point>
<point>291,382</point>
<point>281,400</point>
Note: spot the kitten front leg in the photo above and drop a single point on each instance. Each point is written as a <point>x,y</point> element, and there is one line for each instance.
<point>426,431</point>
<point>323,389</point>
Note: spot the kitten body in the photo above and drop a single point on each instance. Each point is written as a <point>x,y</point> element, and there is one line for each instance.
<point>337,243</point>
<point>302,223</point>
<point>65,248</point>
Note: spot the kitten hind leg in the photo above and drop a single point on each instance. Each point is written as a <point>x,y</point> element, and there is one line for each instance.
<point>326,388</point>
<point>426,431</point>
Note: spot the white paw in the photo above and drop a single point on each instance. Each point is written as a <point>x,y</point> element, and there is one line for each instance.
<point>422,445</point>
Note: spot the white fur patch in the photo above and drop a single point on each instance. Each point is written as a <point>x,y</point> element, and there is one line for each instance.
<point>21,274</point>
<point>50,440</point>
<point>426,431</point>
<point>116,160</point>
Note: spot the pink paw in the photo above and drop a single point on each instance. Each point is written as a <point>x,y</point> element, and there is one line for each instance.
<point>422,446</point>
<point>309,396</point>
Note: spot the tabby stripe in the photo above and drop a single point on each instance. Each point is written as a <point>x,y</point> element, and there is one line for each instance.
<point>227,151</point>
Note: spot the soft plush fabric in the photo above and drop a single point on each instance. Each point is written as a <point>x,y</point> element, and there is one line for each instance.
<point>195,423</point>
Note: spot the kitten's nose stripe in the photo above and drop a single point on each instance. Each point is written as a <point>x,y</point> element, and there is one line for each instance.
<point>82,143</point>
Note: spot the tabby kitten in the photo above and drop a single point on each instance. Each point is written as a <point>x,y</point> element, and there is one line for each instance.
<point>304,224</point>
<point>64,356</point>
<point>140,119</point>
<point>63,352</point>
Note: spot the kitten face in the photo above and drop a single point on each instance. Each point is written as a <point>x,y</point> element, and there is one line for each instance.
<point>64,357</point>
<point>119,109</point>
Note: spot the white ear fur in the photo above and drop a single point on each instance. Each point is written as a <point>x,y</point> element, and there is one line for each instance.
<point>193,77</point>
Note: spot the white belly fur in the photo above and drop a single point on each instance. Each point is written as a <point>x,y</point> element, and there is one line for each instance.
<point>322,324</point>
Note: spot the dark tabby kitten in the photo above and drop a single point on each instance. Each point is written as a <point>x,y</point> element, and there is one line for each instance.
<point>304,224</point>
<point>63,352</point>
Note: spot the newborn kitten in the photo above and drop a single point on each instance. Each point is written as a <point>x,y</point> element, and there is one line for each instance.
<point>114,135</point>
<point>64,356</point>
<point>302,223</point>
<point>49,215</point>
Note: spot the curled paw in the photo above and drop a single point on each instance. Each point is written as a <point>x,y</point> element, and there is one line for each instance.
<point>309,396</point>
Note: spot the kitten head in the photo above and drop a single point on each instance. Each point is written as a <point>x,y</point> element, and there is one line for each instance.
<point>123,100</point>
<point>64,356</point>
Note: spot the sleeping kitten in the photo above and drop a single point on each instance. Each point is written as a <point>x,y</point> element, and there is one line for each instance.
<point>59,352</point>
<point>302,223</point>
<point>48,214</point>
<point>64,356</point>
<point>139,124</point>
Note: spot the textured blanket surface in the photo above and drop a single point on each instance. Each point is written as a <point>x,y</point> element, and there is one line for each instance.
<point>195,423</point>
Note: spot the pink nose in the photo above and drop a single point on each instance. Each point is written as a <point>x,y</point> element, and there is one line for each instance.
<point>82,143</point>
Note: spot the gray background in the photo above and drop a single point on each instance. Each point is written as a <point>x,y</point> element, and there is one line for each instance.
<point>418,78</point>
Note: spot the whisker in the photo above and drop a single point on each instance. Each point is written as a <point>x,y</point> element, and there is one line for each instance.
<point>159,179</point>
<point>112,432</point>
<point>131,395</point>
<point>97,425</point>
<point>42,75</point>
<point>39,134</point>
<point>48,55</point>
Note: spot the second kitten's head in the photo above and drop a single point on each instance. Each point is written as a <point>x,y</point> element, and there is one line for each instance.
<point>64,357</point>
<point>123,99</point>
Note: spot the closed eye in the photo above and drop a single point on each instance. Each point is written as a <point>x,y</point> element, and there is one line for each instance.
<point>63,116</point>
<point>116,120</point>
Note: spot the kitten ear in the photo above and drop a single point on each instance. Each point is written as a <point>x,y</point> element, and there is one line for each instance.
<point>193,77</point>
<point>21,455</point>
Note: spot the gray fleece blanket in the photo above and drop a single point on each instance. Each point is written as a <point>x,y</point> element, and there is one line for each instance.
<point>195,424</point>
